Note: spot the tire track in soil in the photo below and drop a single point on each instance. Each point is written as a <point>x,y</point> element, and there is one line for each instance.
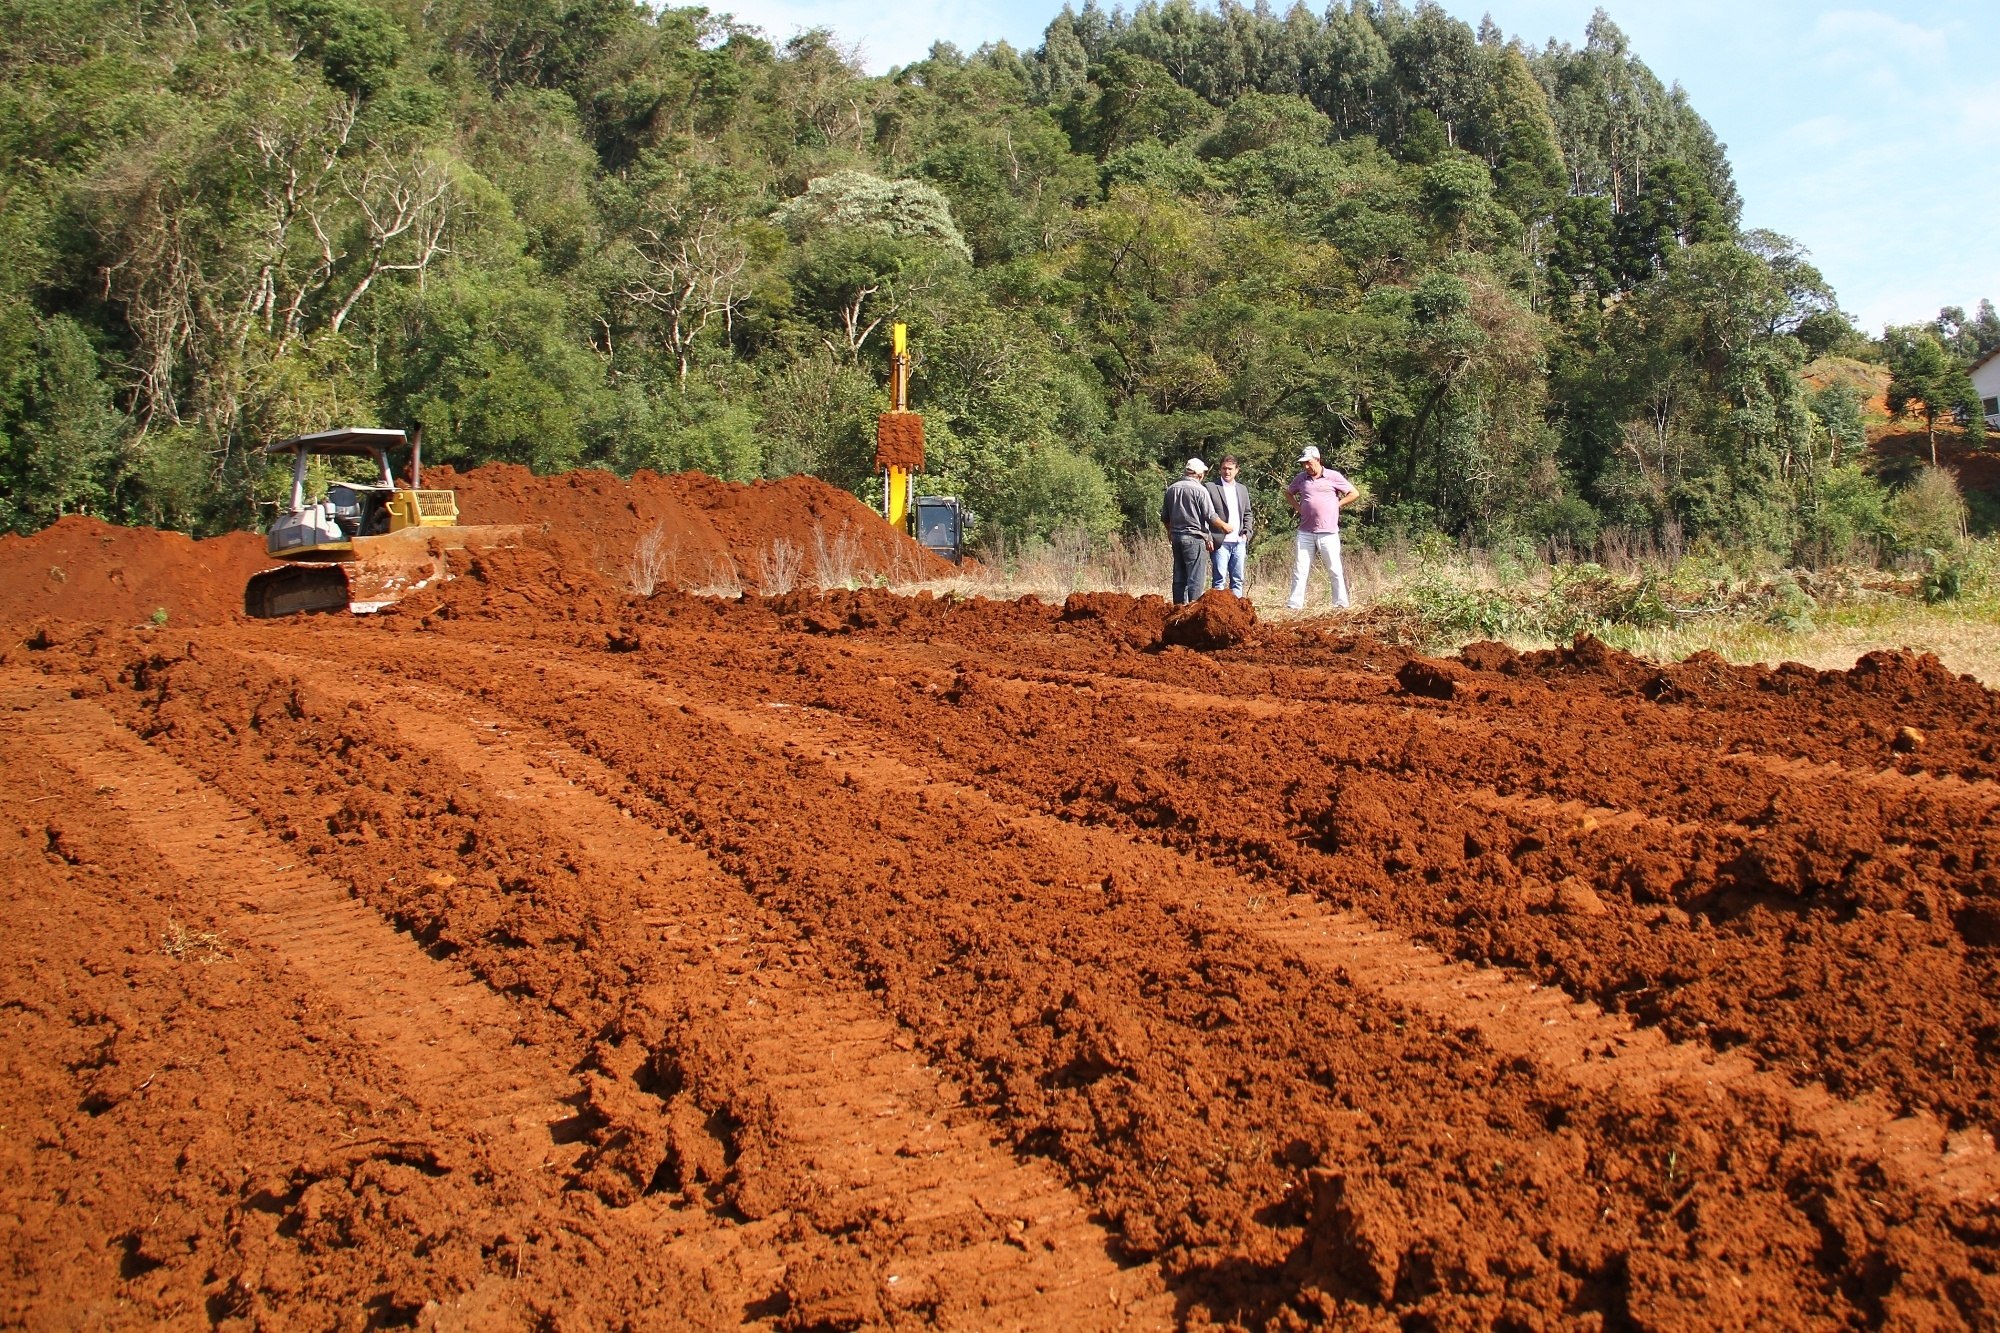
<point>1597,1223</point>
<point>1972,797</point>
<point>1753,1107</point>
<point>1757,1209</point>
<point>976,1231</point>
<point>1595,1051</point>
<point>1254,693</point>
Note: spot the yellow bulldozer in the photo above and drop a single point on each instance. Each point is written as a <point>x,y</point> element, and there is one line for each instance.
<point>362,545</point>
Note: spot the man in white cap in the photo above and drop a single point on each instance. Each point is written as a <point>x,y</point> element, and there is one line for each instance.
<point>1317,495</point>
<point>1191,520</point>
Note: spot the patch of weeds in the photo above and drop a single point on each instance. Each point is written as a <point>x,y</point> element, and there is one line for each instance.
<point>199,946</point>
<point>159,617</point>
<point>1944,577</point>
<point>1791,607</point>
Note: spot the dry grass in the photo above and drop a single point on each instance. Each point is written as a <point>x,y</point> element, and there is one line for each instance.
<point>778,567</point>
<point>192,946</point>
<point>836,559</point>
<point>1966,638</point>
<point>1965,634</point>
<point>653,558</point>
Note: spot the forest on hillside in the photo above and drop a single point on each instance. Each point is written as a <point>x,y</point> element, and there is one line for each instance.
<point>1503,286</point>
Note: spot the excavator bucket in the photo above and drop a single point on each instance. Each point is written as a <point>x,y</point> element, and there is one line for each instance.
<point>374,574</point>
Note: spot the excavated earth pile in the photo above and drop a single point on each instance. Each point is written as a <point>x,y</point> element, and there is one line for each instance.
<point>548,956</point>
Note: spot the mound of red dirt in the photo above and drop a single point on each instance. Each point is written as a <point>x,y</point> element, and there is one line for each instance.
<point>540,577</point>
<point>1216,620</point>
<point>87,569</point>
<point>685,531</point>
<point>1432,679</point>
<point>694,531</point>
<point>1135,621</point>
<point>1487,655</point>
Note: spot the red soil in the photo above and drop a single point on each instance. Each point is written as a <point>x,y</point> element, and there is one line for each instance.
<point>899,441</point>
<point>1215,620</point>
<point>539,954</point>
<point>84,569</point>
<point>1977,467</point>
<point>712,534</point>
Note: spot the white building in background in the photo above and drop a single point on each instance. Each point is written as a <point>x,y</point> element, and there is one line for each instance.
<point>1986,384</point>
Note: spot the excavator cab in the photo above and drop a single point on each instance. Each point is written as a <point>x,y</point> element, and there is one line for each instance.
<point>364,543</point>
<point>938,522</point>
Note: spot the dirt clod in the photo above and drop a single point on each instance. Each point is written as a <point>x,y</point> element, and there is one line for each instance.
<point>1432,679</point>
<point>1215,620</point>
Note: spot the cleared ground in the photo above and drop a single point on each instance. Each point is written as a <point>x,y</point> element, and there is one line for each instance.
<point>535,957</point>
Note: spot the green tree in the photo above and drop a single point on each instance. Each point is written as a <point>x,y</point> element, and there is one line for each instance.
<point>63,460</point>
<point>1925,379</point>
<point>867,248</point>
<point>1050,489</point>
<point>1969,337</point>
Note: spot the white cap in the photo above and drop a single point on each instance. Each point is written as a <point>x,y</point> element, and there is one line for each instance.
<point>1311,454</point>
<point>1196,466</point>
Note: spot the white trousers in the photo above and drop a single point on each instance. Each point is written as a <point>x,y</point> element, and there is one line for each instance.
<point>1327,546</point>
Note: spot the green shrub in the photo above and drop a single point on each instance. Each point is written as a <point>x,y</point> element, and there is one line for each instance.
<point>1944,577</point>
<point>1929,513</point>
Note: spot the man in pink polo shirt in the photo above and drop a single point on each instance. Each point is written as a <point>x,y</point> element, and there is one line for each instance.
<point>1316,496</point>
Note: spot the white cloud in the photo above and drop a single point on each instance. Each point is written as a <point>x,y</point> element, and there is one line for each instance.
<point>1975,114</point>
<point>1818,134</point>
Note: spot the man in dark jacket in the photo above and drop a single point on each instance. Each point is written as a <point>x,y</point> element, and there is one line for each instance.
<point>1188,511</point>
<point>1232,501</point>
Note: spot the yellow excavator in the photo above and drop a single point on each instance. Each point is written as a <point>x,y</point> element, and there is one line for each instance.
<point>362,545</point>
<point>937,521</point>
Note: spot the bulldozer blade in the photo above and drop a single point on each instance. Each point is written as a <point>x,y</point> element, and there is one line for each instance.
<point>377,572</point>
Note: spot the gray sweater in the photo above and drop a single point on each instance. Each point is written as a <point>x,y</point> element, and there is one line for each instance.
<point>1189,510</point>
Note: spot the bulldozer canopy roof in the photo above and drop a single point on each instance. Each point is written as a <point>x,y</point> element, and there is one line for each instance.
<point>361,441</point>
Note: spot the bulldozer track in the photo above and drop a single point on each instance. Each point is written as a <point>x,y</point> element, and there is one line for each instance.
<point>904,979</point>
<point>884,1134</point>
<point>1577,1042</point>
<point>451,1037</point>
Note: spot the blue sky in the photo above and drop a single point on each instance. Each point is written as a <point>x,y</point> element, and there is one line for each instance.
<point>1870,133</point>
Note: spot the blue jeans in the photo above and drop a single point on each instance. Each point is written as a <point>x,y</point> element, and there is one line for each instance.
<point>1190,549</point>
<point>1226,564</point>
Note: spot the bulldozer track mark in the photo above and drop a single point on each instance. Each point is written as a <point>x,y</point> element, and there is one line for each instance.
<point>1254,1088</point>
<point>1592,1050</point>
<point>449,1035</point>
<point>884,1132</point>
<point>1979,795</point>
<point>1748,873</point>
